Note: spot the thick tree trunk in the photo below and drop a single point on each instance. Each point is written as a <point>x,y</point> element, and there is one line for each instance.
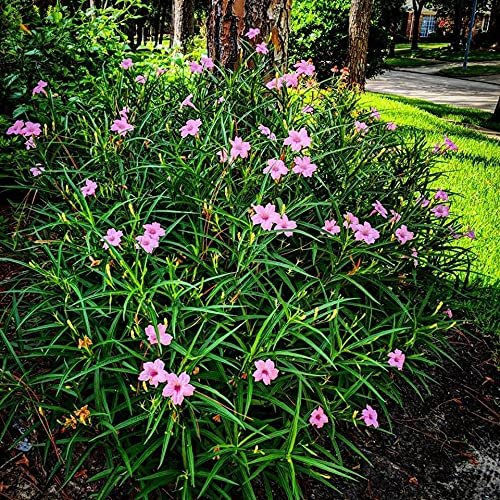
<point>415,32</point>
<point>359,29</point>
<point>229,20</point>
<point>494,27</point>
<point>496,114</point>
<point>182,21</point>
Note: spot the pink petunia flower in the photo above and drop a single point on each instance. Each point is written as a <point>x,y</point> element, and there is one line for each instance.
<point>192,127</point>
<point>350,221</point>
<point>261,48</point>
<point>284,223</point>
<point>275,83</point>
<point>365,232</point>
<point>291,80</point>
<point>369,415</point>
<point>437,148</point>
<point>113,238</point>
<point>380,209</point>
<point>126,63</point>
<point>154,230</point>
<point>207,62</point>
<point>122,126</point>
<point>265,371</point>
<point>178,388</point>
<point>391,126</point>
<point>449,144</point>
<point>264,130</point>
<point>36,171</point>
<point>40,88</point>
<point>265,216</point>
<point>239,148</point>
<point>375,114</point>
<point>441,195</point>
<point>89,189</point>
<point>222,154</point>
<point>30,144</point>
<point>147,243</point>
<point>303,166</point>
<point>160,71</point>
<point>124,112</point>
<point>187,102</point>
<point>276,168</point>
<point>297,140</point>
<point>397,359</point>
<point>165,338</point>
<point>307,109</point>
<point>304,68</point>
<point>414,254</point>
<point>403,235</point>
<point>395,216</point>
<point>448,312</point>
<point>331,226</point>
<point>318,418</point>
<point>154,372</point>
<point>195,67</point>
<point>31,129</point>
<point>16,129</point>
<point>361,127</point>
<point>470,234</point>
<point>140,79</point>
<point>252,33</point>
<point>441,211</point>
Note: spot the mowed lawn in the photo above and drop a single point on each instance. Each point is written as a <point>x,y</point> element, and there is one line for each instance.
<point>473,172</point>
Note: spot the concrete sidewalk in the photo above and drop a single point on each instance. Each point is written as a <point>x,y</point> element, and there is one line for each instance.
<point>441,90</point>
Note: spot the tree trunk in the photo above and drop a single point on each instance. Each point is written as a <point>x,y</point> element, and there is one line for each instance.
<point>229,20</point>
<point>359,29</point>
<point>415,32</point>
<point>182,21</point>
<point>496,114</point>
<point>456,42</point>
<point>494,27</point>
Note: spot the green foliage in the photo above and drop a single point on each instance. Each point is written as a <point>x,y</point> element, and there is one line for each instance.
<point>327,309</point>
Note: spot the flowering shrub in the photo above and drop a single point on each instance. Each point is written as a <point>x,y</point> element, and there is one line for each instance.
<point>225,272</point>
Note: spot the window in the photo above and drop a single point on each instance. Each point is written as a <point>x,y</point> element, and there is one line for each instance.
<point>428,26</point>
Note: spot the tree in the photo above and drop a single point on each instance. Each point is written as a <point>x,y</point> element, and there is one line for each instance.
<point>229,20</point>
<point>418,6</point>
<point>496,114</point>
<point>388,14</point>
<point>494,27</point>
<point>182,21</point>
<point>359,29</point>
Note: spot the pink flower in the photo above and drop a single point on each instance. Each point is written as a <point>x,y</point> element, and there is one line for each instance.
<point>122,126</point>
<point>395,216</point>
<point>126,63</point>
<point>369,415</point>
<point>31,129</point>
<point>350,221</point>
<point>276,168</point>
<point>291,79</point>
<point>207,62</point>
<point>448,313</point>
<point>414,254</point>
<point>16,129</point>
<point>365,232</point>
<point>265,371</point>
<point>304,68</point>
<point>160,71</point>
<point>239,148</point>
<point>187,102</point>
<point>221,99</point>
<point>165,338</point>
<point>124,112</point>
<point>36,171</point>
<point>318,418</point>
<point>275,83</point>
<point>192,127</point>
<point>441,195</point>
<point>89,189</point>
<point>297,140</point>
<point>397,358</point>
<point>284,223</point>
<point>154,372</point>
<point>307,109</point>
<point>403,235</point>
<point>140,79</point>
<point>40,88</point>
<point>264,130</point>
<point>470,234</point>
<point>261,48</point>
<point>252,33</point>
<point>265,216</point>
<point>391,126</point>
<point>304,167</point>
<point>361,127</point>
<point>424,202</point>
<point>437,148</point>
<point>30,143</point>
<point>449,144</point>
<point>178,387</point>
<point>441,211</point>
<point>147,243</point>
<point>222,154</point>
<point>380,209</point>
<point>195,67</point>
<point>375,114</point>
<point>331,227</point>
<point>154,230</point>
<point>113,238</point>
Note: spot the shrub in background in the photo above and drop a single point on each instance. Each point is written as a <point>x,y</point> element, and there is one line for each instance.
<point>201,302</point>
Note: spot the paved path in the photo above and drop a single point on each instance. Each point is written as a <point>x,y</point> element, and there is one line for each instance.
<point>438,89</point>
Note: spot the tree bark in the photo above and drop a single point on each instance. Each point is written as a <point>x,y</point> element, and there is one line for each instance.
<point>229,20</point>
<point>359,29</point>
<point>494,26</point>
<point>182,21</point>
<point>496,114</point>
<point>418,6</point>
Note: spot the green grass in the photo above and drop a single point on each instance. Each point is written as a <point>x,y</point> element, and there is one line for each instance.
<point>406,47</point>
<point>473,70</point>
<point>472,172</point>
<point>441,52</point>
<point>408,62</point>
